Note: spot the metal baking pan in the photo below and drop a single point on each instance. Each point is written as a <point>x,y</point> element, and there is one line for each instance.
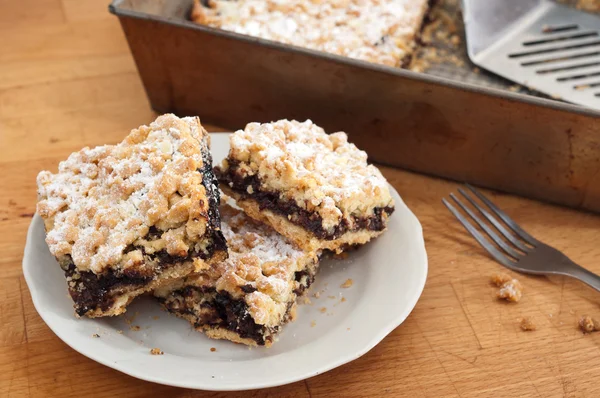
<point>513,142</point>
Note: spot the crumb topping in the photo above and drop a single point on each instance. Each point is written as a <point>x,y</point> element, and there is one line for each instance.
<point>104,199</point>
<point>348,283</point>
<point>321,173</point>
<point>380,31</point>
<point>261,268</point>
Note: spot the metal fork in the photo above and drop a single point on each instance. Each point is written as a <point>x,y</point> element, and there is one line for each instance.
<point>520,251</point>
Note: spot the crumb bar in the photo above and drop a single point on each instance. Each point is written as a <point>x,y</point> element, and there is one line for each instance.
<point>248,297</point>
<point>123,219</point>
<point>315,189</point>
<point>379,31</point>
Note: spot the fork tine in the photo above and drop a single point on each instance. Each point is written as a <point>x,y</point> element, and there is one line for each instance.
<point>491,249</point>
<point>490,232</point>
<point>495,222</point>
<point>507,220</point>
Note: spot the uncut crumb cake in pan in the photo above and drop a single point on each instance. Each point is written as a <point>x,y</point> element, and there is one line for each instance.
<point>249,296</point>
<point>379,31</point>
<point>315,189</point>
<point>124,219</point>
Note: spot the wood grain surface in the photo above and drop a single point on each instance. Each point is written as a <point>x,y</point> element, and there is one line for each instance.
<point>67,80</point>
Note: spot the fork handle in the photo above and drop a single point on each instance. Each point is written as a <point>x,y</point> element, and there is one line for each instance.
<point>585,276</point>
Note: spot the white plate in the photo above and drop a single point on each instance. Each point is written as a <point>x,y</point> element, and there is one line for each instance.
<point>388,277</point>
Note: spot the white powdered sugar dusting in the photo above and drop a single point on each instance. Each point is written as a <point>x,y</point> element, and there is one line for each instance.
<point>380,31</point>
<point>104,199</point>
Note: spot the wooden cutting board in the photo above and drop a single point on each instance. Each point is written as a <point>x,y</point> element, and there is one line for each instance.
<point>67,80</point>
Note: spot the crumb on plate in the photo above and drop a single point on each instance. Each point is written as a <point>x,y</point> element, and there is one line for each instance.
<point>347,284</point>
<point>323,310</point>
<point>96,335</point>
<point>213,349</point>
<point>156,351</point>
<point>500,279</point>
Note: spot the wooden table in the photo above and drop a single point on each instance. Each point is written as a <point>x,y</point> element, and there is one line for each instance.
<point>67,80</point>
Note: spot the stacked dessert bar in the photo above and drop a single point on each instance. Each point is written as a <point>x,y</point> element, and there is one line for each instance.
<point>144,216</point>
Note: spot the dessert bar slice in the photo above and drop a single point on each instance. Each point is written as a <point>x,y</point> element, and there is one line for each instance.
<point>249,296</point>
<point>379,31</point>
<point>315,189</point>
<point>123,219</point>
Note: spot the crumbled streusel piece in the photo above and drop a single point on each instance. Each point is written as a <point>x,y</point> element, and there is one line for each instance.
<point>156,351</point>
<point>527,324</point>
<point>348,283</point>
<point>510,288</point>
<point>588,324</point>
<point>500,279</point>
<point>511,291</point>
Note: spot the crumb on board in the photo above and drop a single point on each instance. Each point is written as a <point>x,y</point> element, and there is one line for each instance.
<point>500,279</point>
<point>313,324</point>
<point>120,331</point>
<point>347,328</point>
<point>323,310</point>
<point>156,317</point>
<point>134,328</point>
<point>588,324</point>
<point>306,300</point>
<point>213,349</point>
<point>511,291</point>
<point>343,299</point>
<point>317,294</point>
<point>527,324</point>
<point>96,335</point>
<point>510,288</point>
<point>156,351</point>
<point>331,297</point>
<point>347,284</point>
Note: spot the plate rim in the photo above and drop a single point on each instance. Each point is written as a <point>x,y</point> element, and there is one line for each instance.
<point>198,384</point>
